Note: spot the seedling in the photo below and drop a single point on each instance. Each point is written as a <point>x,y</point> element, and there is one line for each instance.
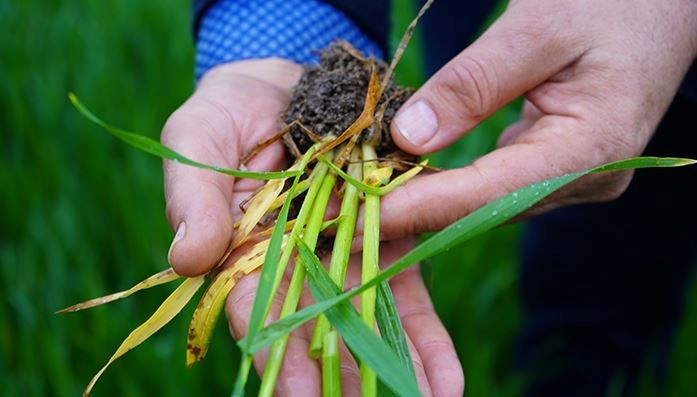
<point>341,146</point>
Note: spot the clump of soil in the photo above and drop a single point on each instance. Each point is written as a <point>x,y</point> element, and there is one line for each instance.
<point>331,95</point>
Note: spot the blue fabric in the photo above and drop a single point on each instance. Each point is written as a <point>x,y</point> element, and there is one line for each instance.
<point>292,29</point>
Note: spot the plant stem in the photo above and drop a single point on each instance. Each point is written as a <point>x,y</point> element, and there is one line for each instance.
<point>341,251</point>
<point>371,260</point>
<point>290,304</point>
<point>331,366</point>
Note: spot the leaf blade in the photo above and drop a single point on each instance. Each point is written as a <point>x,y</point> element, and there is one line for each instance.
<point>155,148</point>
<point>210,306</point>
<point>171,306</point>
<point>159,278</point>
<point>390,325</point>
<point>362,340</point>
<point>485,218</point>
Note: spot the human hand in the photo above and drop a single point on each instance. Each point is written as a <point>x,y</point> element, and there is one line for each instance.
<point>235,106</point>
<point>597,77</point>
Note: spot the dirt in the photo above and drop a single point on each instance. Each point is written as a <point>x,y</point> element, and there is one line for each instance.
<point>331,95</point>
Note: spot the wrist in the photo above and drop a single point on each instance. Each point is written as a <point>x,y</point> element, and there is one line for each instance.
<point>278,72</point>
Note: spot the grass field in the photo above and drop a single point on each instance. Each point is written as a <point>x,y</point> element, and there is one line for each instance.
<point>83,215</point>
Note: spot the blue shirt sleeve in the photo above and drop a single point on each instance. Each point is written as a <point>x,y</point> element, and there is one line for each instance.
<point>233,30</point>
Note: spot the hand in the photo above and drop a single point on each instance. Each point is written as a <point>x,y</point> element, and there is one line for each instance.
<point>235,106</point>
<point>597,77</point>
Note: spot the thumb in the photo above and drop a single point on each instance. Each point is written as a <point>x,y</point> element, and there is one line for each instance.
<point>198,201</point>
<point>520,51</point>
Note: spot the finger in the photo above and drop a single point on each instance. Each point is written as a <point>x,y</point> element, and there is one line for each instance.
<point>198,201</point>
<point>231,110</point>
<point>431,341</point>
<point>520,51</point>
<point>350,375</point>
<point>553,146</point>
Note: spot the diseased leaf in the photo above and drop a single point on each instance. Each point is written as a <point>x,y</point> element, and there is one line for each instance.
<point>211,304</point>
<point>164,314</point>
<point>162,277</point>
<point>153,147</point>
<point>482,220</point>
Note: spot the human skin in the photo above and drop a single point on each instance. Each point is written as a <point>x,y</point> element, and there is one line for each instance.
<point>597,76</point>
<point>235,106</point>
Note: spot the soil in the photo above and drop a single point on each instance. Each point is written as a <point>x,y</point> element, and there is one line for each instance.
<point>331,95</point>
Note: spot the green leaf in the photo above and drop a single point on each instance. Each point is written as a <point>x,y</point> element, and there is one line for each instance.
<point>375,190</point>
<point>362,341</point>
<point>153,147</point>
<point>390,325</point>
<point>474,224</point>
<point>265,290</point>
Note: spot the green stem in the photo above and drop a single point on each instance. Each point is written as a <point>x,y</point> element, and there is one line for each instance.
<point>370,268</point>
<point>341,251</point>
<point>295,287</point>
<point>331,366</point>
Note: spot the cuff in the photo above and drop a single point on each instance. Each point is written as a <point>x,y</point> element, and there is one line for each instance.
<point>233,30</point>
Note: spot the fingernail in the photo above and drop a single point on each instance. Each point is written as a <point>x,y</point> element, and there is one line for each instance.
<point>181,230</point>
<point>417,123</point>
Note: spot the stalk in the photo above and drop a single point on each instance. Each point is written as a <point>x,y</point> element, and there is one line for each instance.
<point>290,304</point>
<point>331,366</point>
<point>341,250</point>
<point>317,176</point>
<point>370,268</point>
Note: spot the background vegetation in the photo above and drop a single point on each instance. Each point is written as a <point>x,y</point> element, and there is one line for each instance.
<point>82,215</point>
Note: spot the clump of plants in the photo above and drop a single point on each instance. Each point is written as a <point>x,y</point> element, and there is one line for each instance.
<point>337,130</point>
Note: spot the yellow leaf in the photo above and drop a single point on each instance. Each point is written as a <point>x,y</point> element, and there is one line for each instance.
<point>259,205</point>
<point>211,304</point>
<point>164,314</point>
<point>162,277</point>
<point>378,177</point>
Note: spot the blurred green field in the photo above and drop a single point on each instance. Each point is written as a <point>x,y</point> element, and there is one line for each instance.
<point>82,215</point>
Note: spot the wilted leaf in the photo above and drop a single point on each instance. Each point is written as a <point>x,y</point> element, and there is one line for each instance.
<point>164,314</point>
<point>162,277</point>
<point>210,306</point>
<point>257,208</point>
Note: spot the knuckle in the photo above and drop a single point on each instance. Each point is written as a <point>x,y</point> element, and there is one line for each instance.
<point>470,84</point>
